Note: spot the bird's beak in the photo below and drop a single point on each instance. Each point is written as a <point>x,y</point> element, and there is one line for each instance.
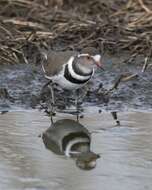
<point>99,65</point>
<point>97,59</point>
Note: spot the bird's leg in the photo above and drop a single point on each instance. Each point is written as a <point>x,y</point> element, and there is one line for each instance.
<point>52,94</point>
<point>79,97</point>
<point>52,101</point>
<point>115,117</point>
<point>48,83</point>
<point>84,92</point>
<point>77,103</point>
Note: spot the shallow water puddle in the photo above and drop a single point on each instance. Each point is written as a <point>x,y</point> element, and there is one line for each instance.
<point>126,154</point>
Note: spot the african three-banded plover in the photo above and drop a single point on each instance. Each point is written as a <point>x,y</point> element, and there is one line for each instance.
<point>70,70</point>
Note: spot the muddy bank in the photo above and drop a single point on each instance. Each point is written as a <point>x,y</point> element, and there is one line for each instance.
<point>24,83</point>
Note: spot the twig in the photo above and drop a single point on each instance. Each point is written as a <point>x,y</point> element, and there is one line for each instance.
<point>5,59</point>
<point>40,34</point>
<point>7,31</point>
<point>24,3</point>
<point>144,6</point>
<point>145,65</point>
<point>24,23</point>
<point>121,78</point>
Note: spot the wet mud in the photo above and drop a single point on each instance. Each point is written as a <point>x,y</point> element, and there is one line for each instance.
<point>21,86</point>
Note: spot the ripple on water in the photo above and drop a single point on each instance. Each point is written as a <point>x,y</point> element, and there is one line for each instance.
<point>125,154</point>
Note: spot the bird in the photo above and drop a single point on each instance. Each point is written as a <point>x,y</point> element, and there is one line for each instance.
<point>70,138</point>
<point>70,70</point>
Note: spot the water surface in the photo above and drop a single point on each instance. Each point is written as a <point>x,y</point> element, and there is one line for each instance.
<point>125,163</point>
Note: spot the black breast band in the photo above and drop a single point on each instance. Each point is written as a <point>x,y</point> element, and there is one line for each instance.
<point>78,71</point>
<point>68,76</point>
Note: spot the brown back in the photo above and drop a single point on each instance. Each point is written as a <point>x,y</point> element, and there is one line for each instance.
<point>90,50</point>
<point>55,61</point>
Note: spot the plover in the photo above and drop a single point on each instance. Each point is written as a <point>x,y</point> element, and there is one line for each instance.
<point>70,70</point>
<point>70,138</point>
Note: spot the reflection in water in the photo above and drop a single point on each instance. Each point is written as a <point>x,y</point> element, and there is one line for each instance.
<point>70,138</point>
<point>25,163</point>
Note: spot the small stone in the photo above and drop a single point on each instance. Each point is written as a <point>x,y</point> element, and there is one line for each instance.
<point>99,111</point>
<point>54,114</point>
<point>81,116</point>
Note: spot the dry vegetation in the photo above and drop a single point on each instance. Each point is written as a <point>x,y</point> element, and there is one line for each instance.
<point>26,26</point>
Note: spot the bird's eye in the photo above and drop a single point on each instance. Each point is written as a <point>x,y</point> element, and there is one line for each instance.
<point>88,57</point>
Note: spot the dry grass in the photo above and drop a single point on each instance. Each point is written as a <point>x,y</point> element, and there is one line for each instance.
<point>27,26</point>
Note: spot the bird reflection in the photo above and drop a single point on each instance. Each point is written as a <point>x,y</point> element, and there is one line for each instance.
<point>70,138</point>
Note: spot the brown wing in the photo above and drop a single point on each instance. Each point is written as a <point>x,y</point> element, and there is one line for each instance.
<point>90,50</point>
<point>55,61</point>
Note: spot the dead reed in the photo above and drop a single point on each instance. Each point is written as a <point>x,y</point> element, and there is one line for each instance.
<point>27,26</point>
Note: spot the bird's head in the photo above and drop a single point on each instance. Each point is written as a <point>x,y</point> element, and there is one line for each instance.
<point>92,61</point>
<point>87,160</point>
<point>88,59</point>
<point>95,54</point>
